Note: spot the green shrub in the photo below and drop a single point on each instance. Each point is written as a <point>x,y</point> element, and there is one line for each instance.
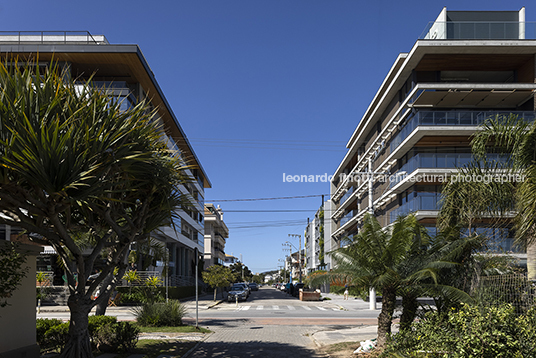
<point>105,333</point>
<point>160,314</point>
<point>136,294</point>
<point>51,334</point>
<point>472,331</point>
<point>95,323</point>
<point>116,336</point>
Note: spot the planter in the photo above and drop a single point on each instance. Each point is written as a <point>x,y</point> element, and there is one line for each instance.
<point>309,295</point>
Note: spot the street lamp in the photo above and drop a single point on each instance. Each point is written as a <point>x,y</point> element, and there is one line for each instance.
<point>370,179</point>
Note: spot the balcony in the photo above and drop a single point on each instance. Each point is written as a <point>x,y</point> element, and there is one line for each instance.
<point>347,195</point>
<point>347,217</point>
<point>451,118</point>
<point>419,201</point>
<point>479,30</point>
<point>441,160</point>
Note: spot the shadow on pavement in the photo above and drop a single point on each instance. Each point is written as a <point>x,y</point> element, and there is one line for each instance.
<point>253,349</point>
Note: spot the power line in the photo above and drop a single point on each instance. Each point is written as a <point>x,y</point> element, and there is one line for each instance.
<point>276,198</point>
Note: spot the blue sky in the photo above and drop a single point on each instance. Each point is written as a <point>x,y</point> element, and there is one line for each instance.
<point>261,87</point>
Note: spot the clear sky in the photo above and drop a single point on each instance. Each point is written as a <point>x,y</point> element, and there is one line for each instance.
<point>261,87</point>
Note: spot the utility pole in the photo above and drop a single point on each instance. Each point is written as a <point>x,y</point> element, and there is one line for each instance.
<point>370,178</point>
<point>242,266</point>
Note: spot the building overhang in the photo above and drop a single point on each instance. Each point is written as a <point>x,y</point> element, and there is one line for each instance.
<point>113,63</point>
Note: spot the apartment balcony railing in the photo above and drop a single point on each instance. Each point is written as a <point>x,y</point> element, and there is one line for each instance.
<point>347,195</point>
<point>420,201</point>
<point>440,160</point>
<point>347,217</point>
<point>451,118</point>
<point>479,30</point>
<point>51,37</point>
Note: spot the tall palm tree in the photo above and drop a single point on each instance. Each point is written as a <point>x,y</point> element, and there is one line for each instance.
<point>507,135</point>
<point>72,164</point>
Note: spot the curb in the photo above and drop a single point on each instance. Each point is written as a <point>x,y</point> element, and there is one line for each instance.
<point>215,304</point>
<point>194,348</point>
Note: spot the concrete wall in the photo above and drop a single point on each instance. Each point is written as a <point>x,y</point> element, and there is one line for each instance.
<point>17,321</point>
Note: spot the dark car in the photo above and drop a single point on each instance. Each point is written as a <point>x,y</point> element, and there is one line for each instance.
<point>297,286</point>
<point>237,291</point>
<point>253,286</point>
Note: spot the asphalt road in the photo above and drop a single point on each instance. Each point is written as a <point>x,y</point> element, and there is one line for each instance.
<point>266,306</point>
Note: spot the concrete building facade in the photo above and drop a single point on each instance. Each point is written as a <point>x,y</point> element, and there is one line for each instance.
<point>466,66</point>
<point>216,232</point>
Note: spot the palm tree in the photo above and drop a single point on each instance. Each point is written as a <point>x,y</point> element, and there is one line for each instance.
<point>73,164</point>
<point>516,138</point>
<point>380,259</point>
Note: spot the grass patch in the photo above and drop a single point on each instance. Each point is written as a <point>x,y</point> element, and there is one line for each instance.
<point>176,329</point>
<point>152,348</point>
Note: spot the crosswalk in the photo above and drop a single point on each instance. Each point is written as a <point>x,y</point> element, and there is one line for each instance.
<point>284,308</point>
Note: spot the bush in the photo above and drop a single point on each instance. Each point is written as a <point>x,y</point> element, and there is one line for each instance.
<point>137,294</point>
<point>160,314</point>
<point>105,333</point>
<point>472,331</point>
<point>116,336</point>
<point>51,334</point>
<point>95,323</point>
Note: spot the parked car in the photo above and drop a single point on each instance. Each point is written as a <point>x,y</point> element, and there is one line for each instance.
<point>297,287</point>
<point>237,291</point>
<point>253,286</point>
<point>245,286</point>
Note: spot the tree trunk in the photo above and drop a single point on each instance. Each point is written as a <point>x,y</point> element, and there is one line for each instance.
<point>409,310</point>
<point>101,307</point>
<point>386,315</point>
<point>531,261</point>
<point>215,292</point>
<point>78,344</point>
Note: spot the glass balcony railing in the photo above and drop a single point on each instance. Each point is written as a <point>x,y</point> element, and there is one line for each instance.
<point>440,160</point>
<point>419,201</point>
<point>347,217</point>
<point>479,30</point>
<point>451,118</point>
<point>347,195</point>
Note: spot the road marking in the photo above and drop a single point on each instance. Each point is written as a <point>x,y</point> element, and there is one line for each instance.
<point>322,308</point>
<point>336,309</point>
<point>306,308</point>
<point>291,308</point>
<point>275,307</point>
<point>260,308</point>
<point>245,308</point>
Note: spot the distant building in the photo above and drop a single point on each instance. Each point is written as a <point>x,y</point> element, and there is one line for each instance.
<point>230,259</point>
<point>216,232</point>
<point>317,235</point>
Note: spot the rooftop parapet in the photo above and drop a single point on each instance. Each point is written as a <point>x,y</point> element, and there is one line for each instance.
<point>51,37</point>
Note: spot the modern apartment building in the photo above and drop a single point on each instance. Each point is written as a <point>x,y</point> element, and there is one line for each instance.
<point>465,67</point>
<point>216,232</point>
<point>124,71</point>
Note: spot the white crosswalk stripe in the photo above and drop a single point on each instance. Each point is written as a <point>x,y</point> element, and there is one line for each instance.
<point>245,308</point>
<point>260,308</point>
<point>306,308</point>
<point>291,308</point>
<point>322,308</point>
<point>275,307</point>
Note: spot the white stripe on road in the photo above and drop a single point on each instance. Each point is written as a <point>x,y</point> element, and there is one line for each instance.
<point>321,308</point>
<point>275,307</point>
<point>291,308</point>
<point>306,308</point>
<point>260,308</point>
<point>245,308</point>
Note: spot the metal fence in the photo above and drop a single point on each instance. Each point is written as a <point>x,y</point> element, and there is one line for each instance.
<point>514,289</point>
